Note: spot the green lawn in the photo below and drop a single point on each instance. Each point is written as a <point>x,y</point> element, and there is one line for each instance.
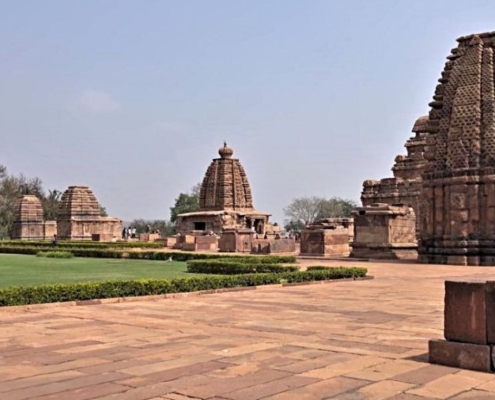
<point>22,270</point>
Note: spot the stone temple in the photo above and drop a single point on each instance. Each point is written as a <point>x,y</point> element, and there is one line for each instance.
<point>79,217</point>
<point>405,186</point>
<point>225,200</point>
<point>28,221</point>
<point>457,218</point>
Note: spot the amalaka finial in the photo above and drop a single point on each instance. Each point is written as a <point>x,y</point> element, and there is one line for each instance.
<point>225,151</point>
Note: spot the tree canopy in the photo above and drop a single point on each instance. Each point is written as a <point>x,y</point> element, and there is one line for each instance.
<point>185,203</point>
<point>302,211</point>
<point>166,228</point>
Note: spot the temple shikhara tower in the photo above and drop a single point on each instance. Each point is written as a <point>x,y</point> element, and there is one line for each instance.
<point>457,215</point>
<point>225,199</point>
<point>79,217</point>
<point>28,220</point>
<point>404,187</point>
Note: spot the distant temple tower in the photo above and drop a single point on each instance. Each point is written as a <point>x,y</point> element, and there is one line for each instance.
<point>79,217</point>
<point>458,214</point>
<point>28,220</point>
<point>405,186</point>
<point>225,199</point>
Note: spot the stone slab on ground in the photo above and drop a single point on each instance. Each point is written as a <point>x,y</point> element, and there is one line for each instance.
<point>475,357</point>
<point>348,340</point>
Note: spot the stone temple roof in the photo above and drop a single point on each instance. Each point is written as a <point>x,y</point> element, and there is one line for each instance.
<point>225,185</point>
<point>462,118</point>
<point>28,209</point>
<point>420,126</point>
<point>78,201</point>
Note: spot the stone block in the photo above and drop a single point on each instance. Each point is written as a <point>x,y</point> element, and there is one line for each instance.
<point>490,311</point>
<point>465,312</point>
<point>460,355</point>
<point>325,242</point>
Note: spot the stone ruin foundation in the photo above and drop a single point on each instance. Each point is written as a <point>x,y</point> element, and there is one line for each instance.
<point>197,241</point>
<point>273,246</point>
<point>236,241</point>
<point>458,214</point>
<point>469,327</point>
<point>79,217</point>
<point>28,220</point>
<point>383,231</point>
<point>405,186</point>
<point>327,238</point>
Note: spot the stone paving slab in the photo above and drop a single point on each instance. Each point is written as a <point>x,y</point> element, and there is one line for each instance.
<point>346,340</point>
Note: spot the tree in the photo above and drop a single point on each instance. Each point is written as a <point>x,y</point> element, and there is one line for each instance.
<point>306,210</point>
<point>195,190</point>
<point>50,204</point>
<point>166,228</point>
<point>335,207</point>
<point>293,226</point>
<point>103,211</point>
<point>185,203</point>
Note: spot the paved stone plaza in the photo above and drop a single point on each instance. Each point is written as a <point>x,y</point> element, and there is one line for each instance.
<point>344,340</point>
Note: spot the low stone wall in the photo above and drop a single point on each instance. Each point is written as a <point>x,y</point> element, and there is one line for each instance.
<point>325,242</point>
<point>50,229</point>
<point>182,240</point>
<point>270,246</point>
<point>102,237</point>
<point>236,241</point>
<point>469,327</point>
<point>206,243</point>
<point>149,237</point>
<point>385,251</point>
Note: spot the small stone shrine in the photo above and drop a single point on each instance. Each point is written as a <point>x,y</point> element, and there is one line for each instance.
<point>405,186</point>
<point>225,200</point>
<point>79,217</point>
<point>28,220</point>
<point>457,217</point>
<point>384,231</point>
<point>327,238</point>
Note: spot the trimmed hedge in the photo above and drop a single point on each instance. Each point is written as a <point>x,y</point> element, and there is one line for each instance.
<point>184,256</point>
<point>55,254</point>
<point>317,268</point>
<point>16,296</point>
<point>233,267</point>
<point>96,253</point>
<point>147,255</point>
<point>82,244</point>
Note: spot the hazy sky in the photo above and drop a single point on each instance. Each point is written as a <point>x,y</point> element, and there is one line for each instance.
<point>134,98</point>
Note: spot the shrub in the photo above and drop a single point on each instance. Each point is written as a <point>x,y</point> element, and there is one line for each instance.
<point>16,296</point>
<point>185,256</point>
<point>234,266</point>
<point>55,254</point>
<point>328,273</point>
<point>82,244</point>
<point>317,268</point>
<point>144,255</point>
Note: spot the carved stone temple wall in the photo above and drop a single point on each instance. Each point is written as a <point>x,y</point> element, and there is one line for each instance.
<point>405,185</point>
<point>28,220</point>
<point>457,218</point>
<point>225,200</point>
<point>79,217</point>
<point>383,231</point>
